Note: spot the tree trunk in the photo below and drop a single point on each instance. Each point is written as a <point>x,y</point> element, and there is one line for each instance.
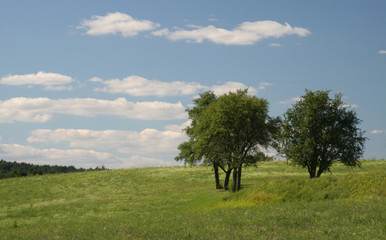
<point>216,176</point>
<point>312,170</point>
<point>320,171</point>
<point>227,176</point>
<point>236,177</point>
<point>239,178</point>
<point>234,180</point>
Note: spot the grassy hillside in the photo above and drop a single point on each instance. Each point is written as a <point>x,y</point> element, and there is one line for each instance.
<point>277,202</point>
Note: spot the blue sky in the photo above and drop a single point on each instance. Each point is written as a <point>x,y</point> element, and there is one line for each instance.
<point>92,83</point>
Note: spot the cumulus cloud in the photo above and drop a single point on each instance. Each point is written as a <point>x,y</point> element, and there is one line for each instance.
<point>149,142</point>
<point>376,131</point>
<point>232,87</point>
<point>52,81</point>
<point>76,157</point>
<point>296,99</point>
<point>116,23</point>
<point>247,33</point>
<point>141,161</point>
<point>96,79</point>
<point>382,51</point>
<point>275,45</point>
<point>175,127</point>
<point>42,109</point>
<point>139,86</point>
<point>290,101</point>
<point>264,85</point>
<point>347,105</point>
<point>145,148</point>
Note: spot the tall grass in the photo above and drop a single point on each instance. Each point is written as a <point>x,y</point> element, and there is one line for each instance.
<point>277,202</point>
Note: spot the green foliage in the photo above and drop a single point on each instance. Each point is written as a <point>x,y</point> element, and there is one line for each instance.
<point>233,127</point>
<point>178,203</point>
<point>190,153</point>
<point>319,131</point>
<point>228,132</point>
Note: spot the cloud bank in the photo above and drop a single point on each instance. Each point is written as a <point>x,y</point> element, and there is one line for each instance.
<point>76,157</point>
<point>144,148</point>
<point>247,33</point>
<point>139,86</point>
<point>149,142</point>
<point>42,109</point>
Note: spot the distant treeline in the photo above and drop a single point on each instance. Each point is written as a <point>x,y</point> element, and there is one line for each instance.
<point>15,169</point>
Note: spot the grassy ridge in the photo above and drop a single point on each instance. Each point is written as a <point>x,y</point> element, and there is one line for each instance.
<point>277,202</point>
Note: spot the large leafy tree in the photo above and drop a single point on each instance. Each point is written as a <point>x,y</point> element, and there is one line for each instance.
<point>230,132</point>
<point>319,131</point>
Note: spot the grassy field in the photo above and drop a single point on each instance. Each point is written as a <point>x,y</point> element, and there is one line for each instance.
<point>277,202</point>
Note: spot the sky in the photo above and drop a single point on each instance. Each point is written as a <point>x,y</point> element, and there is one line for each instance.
<point>106,83</point>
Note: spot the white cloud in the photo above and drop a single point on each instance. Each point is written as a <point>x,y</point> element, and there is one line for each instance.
<point>139,86</point>
<point>176,127</point>
<point>246,33</point>
<point>52,81</point>
<point>141,161</point>
<point>346,105</point>
<point>115,23</point>
<point>76,157</point>
<point>290,101</point>
<point>145,148</point>
<point>376,131</point>
<point>42,109</point>
<point>270,152</point>
<point>264,85</point>
<point>58,88</point>
<point>275,45</point>
<point>382,51</point>
<point>96,79</point>
<point>232,87</point>
<point>296,99</point>
<point>149,142</point>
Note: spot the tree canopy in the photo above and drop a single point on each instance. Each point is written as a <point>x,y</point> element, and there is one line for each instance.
<point>189,150</point>
<point>319,131</point>
<point>228,132</point>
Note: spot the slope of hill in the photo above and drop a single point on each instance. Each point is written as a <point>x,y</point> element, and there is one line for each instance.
<point>277,202</point>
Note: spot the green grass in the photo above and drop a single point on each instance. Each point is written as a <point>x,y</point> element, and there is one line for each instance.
<point>277,201</point>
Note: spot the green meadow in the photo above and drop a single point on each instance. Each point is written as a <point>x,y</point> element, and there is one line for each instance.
<point>277,201</point>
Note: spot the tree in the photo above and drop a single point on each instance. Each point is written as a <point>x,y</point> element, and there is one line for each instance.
<point>230,132</point>
<point>189,152</point>
<point>319,131</point>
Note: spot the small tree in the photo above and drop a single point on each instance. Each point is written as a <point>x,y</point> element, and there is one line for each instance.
<point>319,131</point>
